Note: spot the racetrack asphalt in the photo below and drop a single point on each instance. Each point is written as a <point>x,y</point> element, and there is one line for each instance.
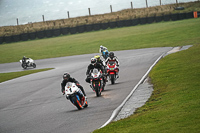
<point>34,103</point>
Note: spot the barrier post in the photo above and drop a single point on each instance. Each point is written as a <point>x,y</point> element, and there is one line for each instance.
<point>68,13</point>
<point>111,8</point>
<point>43,17</point>
<point>17,22</point>
<point>146,3</point>
<point>131,5</point>
<point>89,11</point>
<point>195,14</point>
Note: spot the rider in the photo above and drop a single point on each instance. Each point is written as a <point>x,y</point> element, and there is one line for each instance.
<point>103,64</point>
<point>99,60</point>
<point>24,59</point>
<point>91,66</point>
<point>112,57</point>
<point>104,51</point>
<point>67,78</point>
<point>102,48</point>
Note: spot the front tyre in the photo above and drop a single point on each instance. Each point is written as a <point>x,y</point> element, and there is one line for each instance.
<point>112,78</point>
<point>98,93</point>
<point>77,103</point>
<point>24,66</point>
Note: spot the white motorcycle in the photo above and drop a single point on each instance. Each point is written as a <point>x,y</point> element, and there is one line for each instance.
<point>29,63</point>
<point>75,95</point>
<point>96,82</point>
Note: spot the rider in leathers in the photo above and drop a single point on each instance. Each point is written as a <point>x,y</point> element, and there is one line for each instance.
<point>91,66</point>
<point>24,59</point>
<point>112,57</point>
<point>99,60</point>
<point>67,78</point>
<point>102,63</point>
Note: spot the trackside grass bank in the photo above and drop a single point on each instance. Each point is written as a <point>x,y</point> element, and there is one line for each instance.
<point>12,75</point>
<point>173,33</point>
<point>174,105</point>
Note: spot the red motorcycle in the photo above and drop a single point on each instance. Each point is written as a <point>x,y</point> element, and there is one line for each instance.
<point>112,71</point>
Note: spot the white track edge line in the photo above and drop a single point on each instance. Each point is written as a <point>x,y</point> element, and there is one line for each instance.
<point>116,111</point>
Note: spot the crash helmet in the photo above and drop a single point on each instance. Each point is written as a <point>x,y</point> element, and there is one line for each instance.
<point>93,61</point>
<point>66,76</point>
<point>97,57</point>
<point>111,55</point>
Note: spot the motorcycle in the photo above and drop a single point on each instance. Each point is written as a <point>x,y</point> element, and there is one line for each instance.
<point>75,95</point>
<point>96,82</point>
<point>29,63</point>
<point>112,71</point>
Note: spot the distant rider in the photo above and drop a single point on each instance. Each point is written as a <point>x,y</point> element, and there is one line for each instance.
<point>102,48</point>
<point>104,52</point>
<point>91,66</point>
<point>112,57</point>
<point>99,60</point>
<point>24,60</point>
<point>67,78</point>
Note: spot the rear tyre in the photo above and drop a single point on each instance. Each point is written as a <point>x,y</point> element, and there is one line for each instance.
<point>86,104</point>
<point>34,65</point>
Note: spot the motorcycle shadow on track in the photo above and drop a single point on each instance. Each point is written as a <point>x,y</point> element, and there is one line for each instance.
<point>29,69</point>
<point>114,84</point>
<point>74,110</point>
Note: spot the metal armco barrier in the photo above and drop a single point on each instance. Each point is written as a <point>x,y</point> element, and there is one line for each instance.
<point>95,27</point>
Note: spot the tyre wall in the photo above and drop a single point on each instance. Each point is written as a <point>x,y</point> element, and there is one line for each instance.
<point>95,27</point>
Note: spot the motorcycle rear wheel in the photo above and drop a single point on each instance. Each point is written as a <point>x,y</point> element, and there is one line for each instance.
<point>34,65</point>
<point>86,104</point>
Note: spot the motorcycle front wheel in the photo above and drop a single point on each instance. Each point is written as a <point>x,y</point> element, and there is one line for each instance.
<point>97,90</point>
<point>24,66</point>
<point>112,76</point>
<point>77,103</point>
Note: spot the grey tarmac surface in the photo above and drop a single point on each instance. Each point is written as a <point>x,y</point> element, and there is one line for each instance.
<point>34,103</point>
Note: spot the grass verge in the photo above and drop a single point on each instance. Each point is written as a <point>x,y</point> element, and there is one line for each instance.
<point>12,75</point>
<point>174,33</point>
<point>174,105</point>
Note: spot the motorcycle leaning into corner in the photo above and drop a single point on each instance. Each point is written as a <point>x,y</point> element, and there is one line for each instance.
<point>28,63</point>
<point>75,95</point>
<point>112,71</point>
<point>96,82</point>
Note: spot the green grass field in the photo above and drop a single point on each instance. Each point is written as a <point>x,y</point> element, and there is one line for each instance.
<point>178,33</point>
<point>174,105</point>
<point>12,75</point>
